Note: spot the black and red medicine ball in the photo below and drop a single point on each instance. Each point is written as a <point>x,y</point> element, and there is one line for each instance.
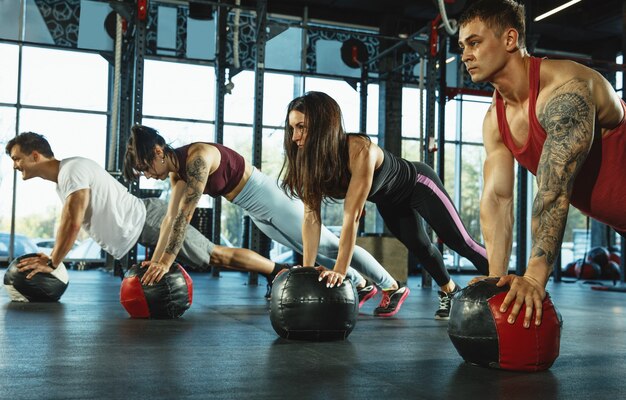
<point>43,287</point>
<point>353,53</point>
<point>588,270</point>
<point>616,257</point>
<point>598,255</point>
<point>570,269</point>
<point>303,308</point>
<point>612,271</point>
<point>166,299</point>
<point>482,336</point>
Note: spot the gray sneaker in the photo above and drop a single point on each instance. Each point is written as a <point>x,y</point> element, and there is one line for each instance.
<point>445,301</point>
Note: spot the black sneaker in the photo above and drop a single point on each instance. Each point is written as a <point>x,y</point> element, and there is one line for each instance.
<point>445,301</point>
<point>268,292</point>
<point>391,302</point>
<point>270,280</point>
<point>366,292</point>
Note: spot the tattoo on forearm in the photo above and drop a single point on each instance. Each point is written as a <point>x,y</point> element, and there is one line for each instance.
<point>177,236</point>
<point>568,121</point>
<point>197,173</point>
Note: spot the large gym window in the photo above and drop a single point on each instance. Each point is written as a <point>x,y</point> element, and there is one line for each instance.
<point>64,79</point>
<point>177,90</point>
<point>8,75</point>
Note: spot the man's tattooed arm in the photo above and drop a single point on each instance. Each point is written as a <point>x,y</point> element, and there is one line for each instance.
<point>197,176</point>
<point>568,118</point>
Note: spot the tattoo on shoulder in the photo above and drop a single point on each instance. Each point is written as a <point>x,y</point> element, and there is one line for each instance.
<point>567,111</point>
<point>568,119</point>
<point>197,175</point>
<point>197,169</point>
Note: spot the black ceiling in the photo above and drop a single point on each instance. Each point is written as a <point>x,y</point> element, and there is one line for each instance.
<point>590,28</point>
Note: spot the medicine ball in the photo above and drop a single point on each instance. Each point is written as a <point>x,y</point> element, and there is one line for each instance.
<point>482,336</point>
<point>570,269</point>
<point>353,53</point>
<point>612,271</point>
<point>166,299</point>
<point>303,308</point>
<point>598,255</point>
<point>615,256</point>
<point>588,270</point>
<point>41,287</point>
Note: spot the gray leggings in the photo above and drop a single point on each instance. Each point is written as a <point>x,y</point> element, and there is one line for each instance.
<point>196,250</point>
<point>280,218</point>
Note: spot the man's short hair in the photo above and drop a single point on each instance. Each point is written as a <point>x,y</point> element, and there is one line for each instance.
<point>498,15</point>
<point>29,142</point>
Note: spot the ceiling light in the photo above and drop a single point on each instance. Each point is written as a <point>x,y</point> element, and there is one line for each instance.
<point>556,10</point>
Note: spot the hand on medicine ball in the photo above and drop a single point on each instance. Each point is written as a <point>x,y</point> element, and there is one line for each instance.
<point>333,278</point>
<point>35,265</point>
<point>524,291</point>
<point>155,272</point>
<point>481,278</point>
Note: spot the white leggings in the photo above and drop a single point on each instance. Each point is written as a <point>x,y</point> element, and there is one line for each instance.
<point>280,218</point>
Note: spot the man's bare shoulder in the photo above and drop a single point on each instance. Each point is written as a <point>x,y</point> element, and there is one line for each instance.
<point>559,76</point>
<point>562,76</point>
<point>556,72</point>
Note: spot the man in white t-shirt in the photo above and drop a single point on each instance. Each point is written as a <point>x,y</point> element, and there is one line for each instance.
<point>114,218</point>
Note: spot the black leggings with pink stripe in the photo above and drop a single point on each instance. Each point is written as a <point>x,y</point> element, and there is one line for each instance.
<point>431,202</point>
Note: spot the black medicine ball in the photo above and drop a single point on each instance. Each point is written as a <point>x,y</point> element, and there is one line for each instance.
<point>303,308</point>
<point>482,335</point>
<point>166,299</point>
<point>41,287</point>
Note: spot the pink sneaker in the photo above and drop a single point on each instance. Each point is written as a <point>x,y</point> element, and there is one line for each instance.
<point>391,302</point>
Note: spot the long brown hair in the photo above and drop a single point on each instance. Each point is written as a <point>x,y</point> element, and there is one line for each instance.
<point>320,168</point>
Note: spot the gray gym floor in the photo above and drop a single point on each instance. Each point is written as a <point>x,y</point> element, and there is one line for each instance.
<point>86,347</point>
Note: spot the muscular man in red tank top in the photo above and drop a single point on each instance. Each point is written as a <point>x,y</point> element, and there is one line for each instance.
<point>559,119</point>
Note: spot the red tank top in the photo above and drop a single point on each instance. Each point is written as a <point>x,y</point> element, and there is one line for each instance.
<point>225,178</point>
<point>599,189</point>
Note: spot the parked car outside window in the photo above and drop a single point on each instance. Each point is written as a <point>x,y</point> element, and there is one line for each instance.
<point>45,245</point>
<point>22,245</point>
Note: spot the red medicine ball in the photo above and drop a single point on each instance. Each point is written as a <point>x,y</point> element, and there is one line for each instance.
<point>482,335</point>
<point>166,299</point>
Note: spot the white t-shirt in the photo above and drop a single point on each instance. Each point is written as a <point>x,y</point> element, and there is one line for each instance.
<point>114,217</point>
